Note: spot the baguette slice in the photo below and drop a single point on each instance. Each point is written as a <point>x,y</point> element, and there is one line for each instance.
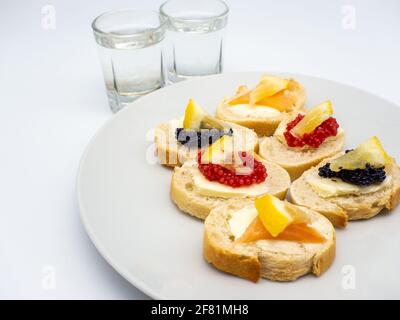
<point>340,209</point>
<point>272,259</point>
<point>263,126</point>
<point>185,196</point>
<point>171,153</point>
<point>294,160</point>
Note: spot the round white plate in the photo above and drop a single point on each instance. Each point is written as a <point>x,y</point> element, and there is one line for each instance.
<point>126,208</point>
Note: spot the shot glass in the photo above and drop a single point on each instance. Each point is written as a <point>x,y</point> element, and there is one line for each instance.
<point>195,37</point>
<point>131,54</point>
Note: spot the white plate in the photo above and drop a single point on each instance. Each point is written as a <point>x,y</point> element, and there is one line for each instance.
<point>126,208</point>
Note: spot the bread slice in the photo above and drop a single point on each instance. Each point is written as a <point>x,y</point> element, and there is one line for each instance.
<point>340,209</point>
<point>297,160</point>
<point>171,153</point>
<point>263,126</point>
<point>185,196</point>
<point>272,259</point>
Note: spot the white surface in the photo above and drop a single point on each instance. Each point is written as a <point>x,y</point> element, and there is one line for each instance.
<point>126,207</point>
<point>53,100</point>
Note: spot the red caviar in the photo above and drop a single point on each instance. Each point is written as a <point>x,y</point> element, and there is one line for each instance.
<point>326,129</point>
<point>216,172</point>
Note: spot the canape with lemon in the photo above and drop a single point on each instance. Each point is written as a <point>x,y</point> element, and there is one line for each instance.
<point>180,139</point>
<point>304,139</point>
<point>268,238</point>
<point>352,185</point>
<point>262,108</point>
<point>220,175</point>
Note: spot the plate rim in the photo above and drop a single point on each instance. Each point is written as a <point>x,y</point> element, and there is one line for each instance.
<point>136,282</point>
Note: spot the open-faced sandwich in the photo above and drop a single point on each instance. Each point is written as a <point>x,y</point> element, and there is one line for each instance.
<point>263,107</point>
<point>221,174</point>
<point>180,139</point>
<point>268,238</point>
<point>303,140</point>
<point>354,185</point>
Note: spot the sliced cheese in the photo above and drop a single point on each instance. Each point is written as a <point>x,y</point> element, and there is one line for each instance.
<point>241,219</point>
<point>216,189</point>
<point>332,187</point>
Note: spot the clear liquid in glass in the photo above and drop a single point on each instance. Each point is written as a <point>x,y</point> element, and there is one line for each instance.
<point>194,42</point>
<point>132,66</point>
<point>194,53</point>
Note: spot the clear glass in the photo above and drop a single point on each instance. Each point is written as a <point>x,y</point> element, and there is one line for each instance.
<point>131,53</point>
<point>195,37</point>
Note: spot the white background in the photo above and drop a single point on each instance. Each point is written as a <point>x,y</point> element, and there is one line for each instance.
<point>53,101</point>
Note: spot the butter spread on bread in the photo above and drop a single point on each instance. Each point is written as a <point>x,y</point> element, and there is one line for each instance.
<point>216,189</point>
<point>333,187</point>
<point>252,111</point>
<point>240,220</point>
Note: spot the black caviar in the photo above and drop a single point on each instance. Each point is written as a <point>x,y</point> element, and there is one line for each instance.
<point>363,177</point>
<point>200,138</point>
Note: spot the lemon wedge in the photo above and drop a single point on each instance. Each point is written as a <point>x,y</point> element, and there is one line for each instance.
<point>215,152</point>
<point>194,114</point>
<point>370,151</point>
<point>266,79</point>
<point>242,96</point>
<point>313,118</point>
<point>196,118</point>
<point>268,86</point>
<point>279,101</point>
<point>273,214</point>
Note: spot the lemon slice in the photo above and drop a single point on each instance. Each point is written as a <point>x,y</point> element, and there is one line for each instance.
<point>280,101</point>
<point>265,79</point>
<point>370,151</point>
<point>215,152</point>
<point>221,152</point>
<point>268,86</point>
<point>313,118</point>
<point>196,118</point>
<point>242,96</point>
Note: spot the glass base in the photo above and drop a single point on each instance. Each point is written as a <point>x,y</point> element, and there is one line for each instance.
<point>119,101</point>
<point>174,77</point>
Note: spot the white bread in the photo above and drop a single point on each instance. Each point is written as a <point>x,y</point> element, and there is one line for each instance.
<point>296,160</point>
<point>171,153</point>
<point>184,194</point>
<point>272,259</point>
<point>340,209</point>
<point>262,126</point>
